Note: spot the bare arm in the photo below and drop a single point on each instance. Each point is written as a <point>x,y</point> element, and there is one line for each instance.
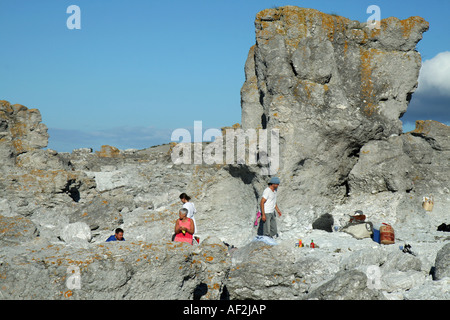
<point>278,210</point>
<point>177,227</point>
<point>263,213</point>
<point>191,228</point>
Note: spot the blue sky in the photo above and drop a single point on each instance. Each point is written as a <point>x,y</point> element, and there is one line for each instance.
<point>138,69</point>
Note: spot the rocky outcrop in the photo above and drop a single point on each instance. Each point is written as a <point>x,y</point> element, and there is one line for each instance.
<point>21,130</point>
<point>346,285</point>
<point>330,85</point>
<point>442,263</point>
<point>336,91</point>
<point>416,160</point>
<point>125,270</point>
<point>17,229</point>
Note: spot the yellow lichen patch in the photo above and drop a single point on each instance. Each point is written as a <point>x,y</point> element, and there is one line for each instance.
<point>376,31</point>
<point>216,286</point>
<point>68,294</point>
<point>300,20</point>
<point>408,24</point>
<point>171,146</point>
<point>345,47</point>
<point>424,126</point>
<point>18,107</point>
<point>18,129</point>
<point>108,152</point>
<point>12,226</point>
<point>420,127</point>
<point>405,27</point>
<point>235,126</point>
<point>368,94</point>
<point>333,25</point>
<point>5,105</point>
<point>270,14</point>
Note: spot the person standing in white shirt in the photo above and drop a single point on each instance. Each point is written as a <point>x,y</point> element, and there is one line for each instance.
<point>268,207</point>
<point>190,207</point>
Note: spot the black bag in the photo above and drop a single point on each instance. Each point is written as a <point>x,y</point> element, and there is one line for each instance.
<point>444,227</point>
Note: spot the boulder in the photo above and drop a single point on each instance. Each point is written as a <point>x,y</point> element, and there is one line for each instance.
<point>115,270</point>
<point>382,166</point>
<point>442,263</point>
<point>21,130</point>
<point>78,232</point>
<point>346,285</point>
<point>262,271</point>
<point>324,222</point>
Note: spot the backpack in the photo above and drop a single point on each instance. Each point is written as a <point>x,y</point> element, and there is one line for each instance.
<point>358,227</point>
<point>359,230</point>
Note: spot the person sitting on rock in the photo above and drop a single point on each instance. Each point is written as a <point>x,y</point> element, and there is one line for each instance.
<point>184,227</point>
<point>117,236</point>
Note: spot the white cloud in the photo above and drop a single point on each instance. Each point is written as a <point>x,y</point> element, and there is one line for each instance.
<point>435,75</point>
<point>431,101</point>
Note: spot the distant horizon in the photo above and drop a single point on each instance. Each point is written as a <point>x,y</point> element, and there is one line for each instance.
<point>406,128</point>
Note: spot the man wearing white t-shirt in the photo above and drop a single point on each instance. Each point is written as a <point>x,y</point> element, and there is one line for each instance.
<point>268,208</point>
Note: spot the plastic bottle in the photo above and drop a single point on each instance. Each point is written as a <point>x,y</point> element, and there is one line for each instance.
<point>312,245</point>
<point>300,244</point>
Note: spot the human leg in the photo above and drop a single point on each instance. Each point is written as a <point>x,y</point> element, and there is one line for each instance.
<point>267,225</point>
<point>273,226</point>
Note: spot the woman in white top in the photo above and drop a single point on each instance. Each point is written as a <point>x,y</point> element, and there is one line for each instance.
<point>190,207</point>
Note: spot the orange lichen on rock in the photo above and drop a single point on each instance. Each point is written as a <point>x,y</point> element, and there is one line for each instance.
<point>24,130</point>
<point>406,25</point>
<point>425,126</point>
<point>368,94</point>
<point>108,152</point>
<point>296,23</point>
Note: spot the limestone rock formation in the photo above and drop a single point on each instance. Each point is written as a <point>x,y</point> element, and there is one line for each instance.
<point>21,130</point>
<point>330,85</point>
<point>125,270</point>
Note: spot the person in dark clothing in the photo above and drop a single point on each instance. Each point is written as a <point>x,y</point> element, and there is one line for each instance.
<point>117,236</point>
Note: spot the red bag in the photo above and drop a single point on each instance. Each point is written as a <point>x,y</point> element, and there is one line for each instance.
<point>387,235</point>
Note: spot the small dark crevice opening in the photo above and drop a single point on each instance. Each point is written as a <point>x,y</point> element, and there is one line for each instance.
<point>200,291</point>
<point>225,295</point>
<point>72,190</point>
<point>264,121</point>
